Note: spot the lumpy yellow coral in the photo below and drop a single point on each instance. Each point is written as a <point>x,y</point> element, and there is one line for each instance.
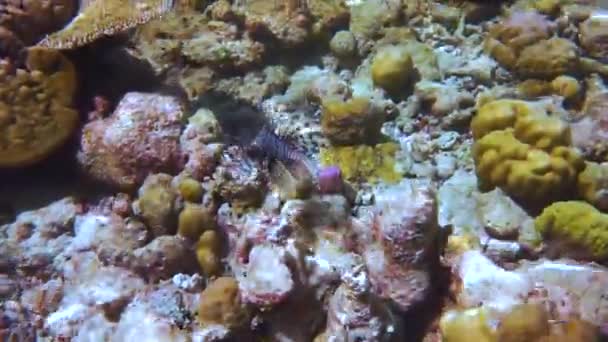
<point>193,220</point>
<point>98,18</point>
<point>525,322</point>
<point>355,121</point>
<point>466,325</point>
<point>190,189</point>
<point>364,162</point>
<point>392,69</point>
<point>36,113</point>
<point>593,185</point>
<point>522,150</point>
<point>221,303</point>
<point>575,224</point>
<point>208,252</point>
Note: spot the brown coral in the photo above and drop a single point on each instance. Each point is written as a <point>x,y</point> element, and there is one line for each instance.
<point>36,114</point>
<point>221,303</point>
<point>105,18</point>
<point>31,19</point>
<point>548,59</point>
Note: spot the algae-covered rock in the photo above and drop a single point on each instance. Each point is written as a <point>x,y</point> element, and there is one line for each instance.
<point>593,35</point>
<point>548,59</point>
<point>367,18</point>
<point>141,137</point>
<point>343,44</point>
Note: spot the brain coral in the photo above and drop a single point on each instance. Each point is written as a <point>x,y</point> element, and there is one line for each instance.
<point>36,114</point>
<point>522,150</point>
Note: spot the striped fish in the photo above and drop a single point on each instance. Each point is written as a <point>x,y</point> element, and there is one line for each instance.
<point>269,145</point>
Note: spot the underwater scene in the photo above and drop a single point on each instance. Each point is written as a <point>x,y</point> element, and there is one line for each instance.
<point>303,170</point>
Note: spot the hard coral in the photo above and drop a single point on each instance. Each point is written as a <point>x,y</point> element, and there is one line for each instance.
<point>355,121</point>
<point>548,59</point>
<point>221,303</point>
<point>139,138</point>
<point>105,18</point>
<point>393,70</point>
<point>593,185</point>
<point>157,204</point>
<point>576,229</point>
<point>524,151</point>
<point>36,113</point>
<point>30,20</point>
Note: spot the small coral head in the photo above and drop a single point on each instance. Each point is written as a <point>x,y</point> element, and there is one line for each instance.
<point>330,179</point>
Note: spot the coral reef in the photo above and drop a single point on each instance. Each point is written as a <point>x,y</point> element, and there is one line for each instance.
<point>319,170</point>
<point>36,107</point>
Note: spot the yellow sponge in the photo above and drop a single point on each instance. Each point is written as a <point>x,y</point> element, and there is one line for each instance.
<point>575,224</point>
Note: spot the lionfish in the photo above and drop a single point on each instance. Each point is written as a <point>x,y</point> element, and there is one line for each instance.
<point>99,18</point>
<point>286,161</point>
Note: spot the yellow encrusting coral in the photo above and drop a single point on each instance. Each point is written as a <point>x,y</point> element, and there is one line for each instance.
<point>193,220</point>
<point>372,163</point>
<point>36,107</point>
<point>576,226</point>
<point>352,122</point>
<point>98,18</point>
<point>208,252</point>
<point>466,325</point>
<point>593,185</point>
<point>393,69</point>
<point>221,303</point>
<point>522,150</point>
<point>524,322</point>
